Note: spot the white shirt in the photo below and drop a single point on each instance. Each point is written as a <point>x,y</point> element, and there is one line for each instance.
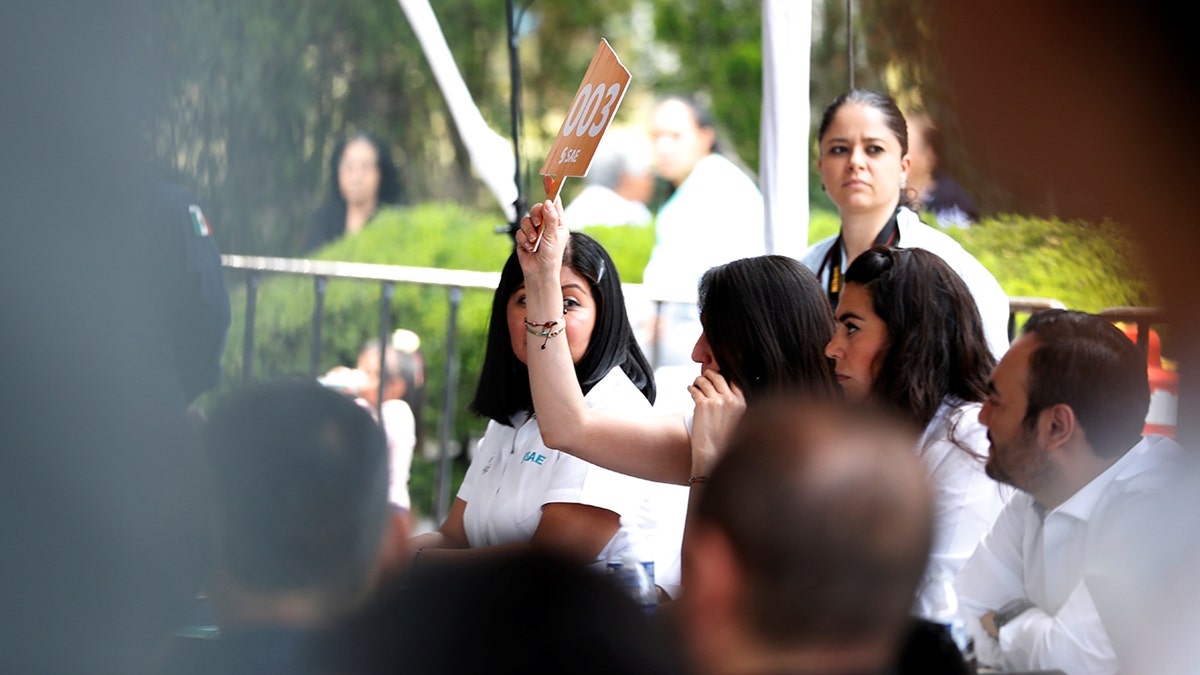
<point>966,500</point>
<point>714,217</point>
<point>513,475</point>
<point>1045,560</point>
<point>598,205</point>
<point>990,298</point>
<point>400,427</point>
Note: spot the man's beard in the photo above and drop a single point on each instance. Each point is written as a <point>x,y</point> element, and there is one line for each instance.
<point>1026,466</point>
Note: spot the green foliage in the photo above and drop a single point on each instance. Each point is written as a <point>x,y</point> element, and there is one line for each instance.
<point>822,223</point>
<point>1085,266</point>
<point>436,235</point>
<point>629,246</point>
<point>719,43</point>
<point>1088,267</point>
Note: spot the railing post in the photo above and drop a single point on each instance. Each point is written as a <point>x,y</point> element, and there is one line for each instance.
<point>1143,338</point>
<point>385,328</point>
<point>248,336</point>
<point>1012,326</point>
<point>656,335</point>
<point>449,401</point>
<point>320,285</point>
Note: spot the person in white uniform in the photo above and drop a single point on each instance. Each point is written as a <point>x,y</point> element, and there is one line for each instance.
<point>765,324</point>
<point>520,492</point>
<point>619,183</point>
<point>1064,417</point>
<point>910,340</point>
<point>713,216</point>
<point>864,164</point>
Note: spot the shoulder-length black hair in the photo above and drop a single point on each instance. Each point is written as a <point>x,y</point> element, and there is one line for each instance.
<point>503,389</point>
<point>329,220</point>
<point>767,321</point>
<point>937,346</point>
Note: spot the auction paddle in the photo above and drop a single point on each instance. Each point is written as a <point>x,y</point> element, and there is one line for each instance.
<point>595,104</point>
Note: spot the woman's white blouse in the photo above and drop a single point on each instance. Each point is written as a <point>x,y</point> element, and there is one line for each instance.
<point>513,475</point>
<point>966,500</point>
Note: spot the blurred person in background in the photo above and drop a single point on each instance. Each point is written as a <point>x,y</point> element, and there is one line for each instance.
<point>713,215</point>
<point>618,186</point>
<point>936,192</point>
<point>362,177</point>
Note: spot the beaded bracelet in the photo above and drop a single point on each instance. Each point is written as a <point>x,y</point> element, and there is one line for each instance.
<point>532,329</point>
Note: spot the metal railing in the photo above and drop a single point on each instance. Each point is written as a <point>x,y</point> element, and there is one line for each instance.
<point>387,276</point>
<point>1025,305</point>
<point>454,281</point>
<point>1144,317</point>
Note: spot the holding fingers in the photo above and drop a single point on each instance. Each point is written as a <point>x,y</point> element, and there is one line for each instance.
<point>719,407</point>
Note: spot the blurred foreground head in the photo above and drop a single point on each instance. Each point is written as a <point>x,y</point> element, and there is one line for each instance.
<point>301,481</point>
<point>521,611</point>
<point>808,543</point>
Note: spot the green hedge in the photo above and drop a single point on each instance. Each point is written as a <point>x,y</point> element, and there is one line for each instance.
<point>1086,266</point>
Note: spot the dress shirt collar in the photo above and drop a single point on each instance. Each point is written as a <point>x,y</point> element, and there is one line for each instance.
<point>1083,503</point>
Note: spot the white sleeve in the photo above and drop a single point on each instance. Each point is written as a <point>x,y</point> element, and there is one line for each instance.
<point>966,503</point>
<point>400,427</point>
<point>1073,640</point>
<point>574,481</point>
<point>994,575</point>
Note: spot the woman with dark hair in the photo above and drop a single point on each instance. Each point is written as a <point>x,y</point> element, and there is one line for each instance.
<point>765,323</point>
<point>864,164</point>
<point>362,176</point>
<point>909,339</point>
<point>519,491</point>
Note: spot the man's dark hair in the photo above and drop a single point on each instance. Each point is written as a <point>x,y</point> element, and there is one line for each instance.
<point>301,481</point>
<point>1085,362</point>
<point>829,518</point>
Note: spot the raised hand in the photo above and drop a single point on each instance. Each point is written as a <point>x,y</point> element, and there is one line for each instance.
<point>719,408</point>
<point>549,255</point>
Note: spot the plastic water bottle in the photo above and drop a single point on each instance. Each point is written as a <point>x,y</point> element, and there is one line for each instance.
<point>631,565</point>
<point>943,609</point>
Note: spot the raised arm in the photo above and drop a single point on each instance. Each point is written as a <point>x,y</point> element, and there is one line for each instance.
<point>654,448</point>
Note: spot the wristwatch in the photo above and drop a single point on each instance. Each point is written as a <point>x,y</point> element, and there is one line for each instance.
<point>1011,611</point>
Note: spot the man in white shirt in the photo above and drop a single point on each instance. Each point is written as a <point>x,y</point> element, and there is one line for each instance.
<point>1064,417</point>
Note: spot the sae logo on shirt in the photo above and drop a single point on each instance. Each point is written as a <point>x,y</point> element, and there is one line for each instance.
<point>533,456</point>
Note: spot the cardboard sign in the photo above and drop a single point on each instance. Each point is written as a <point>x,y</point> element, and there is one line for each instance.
<point>591,111</point>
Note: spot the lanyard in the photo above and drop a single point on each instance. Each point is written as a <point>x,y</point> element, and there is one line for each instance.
<point>888,236</point>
